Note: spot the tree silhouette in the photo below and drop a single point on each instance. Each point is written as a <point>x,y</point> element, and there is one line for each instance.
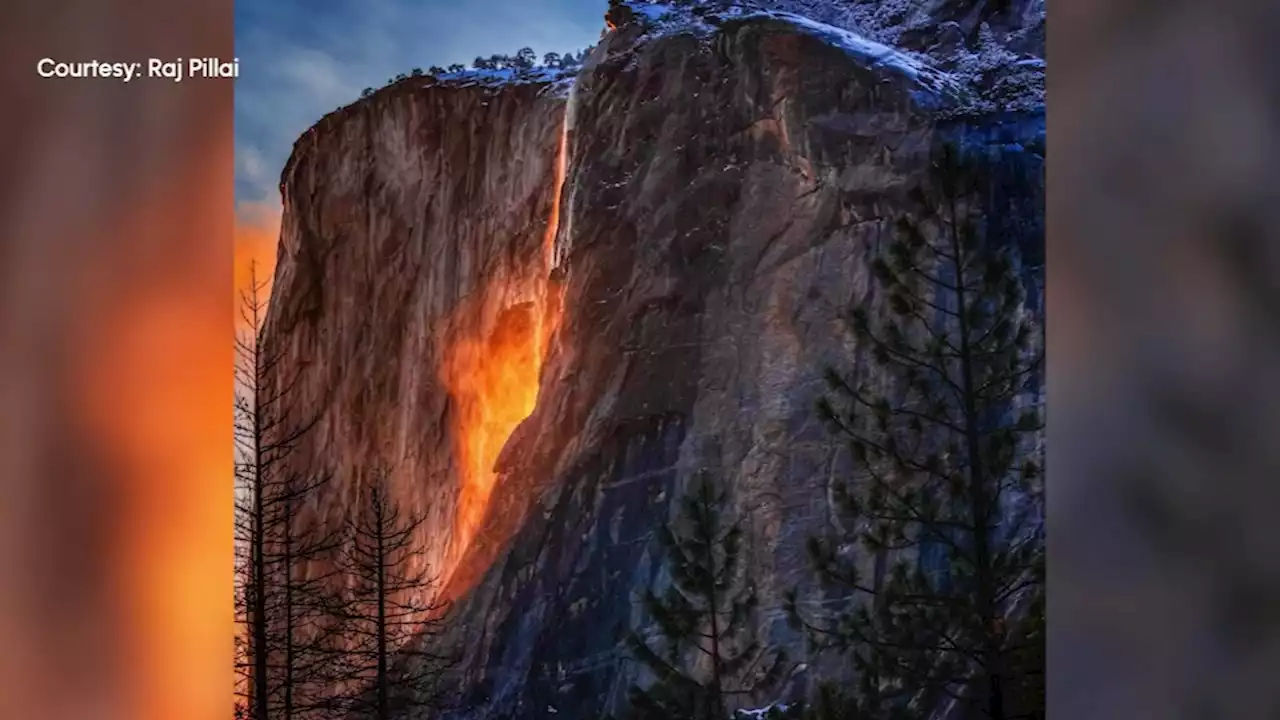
<point>704,616</point>
<point>946,501</point>
<point>389,613</point>
<point>525,58</point>
<point>278,645</point>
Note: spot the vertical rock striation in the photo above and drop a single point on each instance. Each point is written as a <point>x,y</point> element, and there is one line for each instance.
<point>411,247</point>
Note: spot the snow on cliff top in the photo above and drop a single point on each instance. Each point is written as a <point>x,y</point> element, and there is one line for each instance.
<point>556,77</point>
<point>870,52</point>
<point>985,77</point>
<point>884,21</point>
<point>668,18</point>
<point>663,19</point>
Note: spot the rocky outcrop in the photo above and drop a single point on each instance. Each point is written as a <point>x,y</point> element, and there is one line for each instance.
<point>414,225</point>
<point>723,189</point>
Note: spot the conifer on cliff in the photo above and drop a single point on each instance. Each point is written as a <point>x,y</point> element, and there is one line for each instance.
<point>939,549</point>
<point>705,657</point>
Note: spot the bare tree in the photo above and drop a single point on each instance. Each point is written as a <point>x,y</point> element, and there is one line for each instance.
<point>280,603</point>
<point>390,613</point>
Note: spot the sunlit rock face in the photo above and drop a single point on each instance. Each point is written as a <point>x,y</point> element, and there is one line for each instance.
<point>410,292</point>
<point>723,193</point>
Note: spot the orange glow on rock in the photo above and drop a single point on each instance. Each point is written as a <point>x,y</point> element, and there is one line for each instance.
<point>550,291</point>
<point>494,379</point>
<point>553,221</point>
<point>494,384</point>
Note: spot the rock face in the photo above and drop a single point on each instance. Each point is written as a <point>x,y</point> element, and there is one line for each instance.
<point>723,191</point>
<point>413,238</point>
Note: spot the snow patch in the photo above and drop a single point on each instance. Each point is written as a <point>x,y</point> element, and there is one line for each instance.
<point>1004,79</point>
<point>988,77</point>
<point>659,19</point>
<point>654,11</point>
<point>877,55</point>
<point>760,713</point>
<point>865,49</point>
<point>558,78</point>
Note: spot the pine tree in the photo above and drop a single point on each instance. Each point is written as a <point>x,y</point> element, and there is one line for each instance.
<point>946,502</point>
<point>703,618</point>
<point>389,613</point>
<point>525,58</point>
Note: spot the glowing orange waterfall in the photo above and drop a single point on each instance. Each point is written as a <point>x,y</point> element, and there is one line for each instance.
<point>493,378</point>
<point>549,317</point>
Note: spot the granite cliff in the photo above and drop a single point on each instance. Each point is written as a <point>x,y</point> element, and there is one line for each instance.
<point>543,302</point>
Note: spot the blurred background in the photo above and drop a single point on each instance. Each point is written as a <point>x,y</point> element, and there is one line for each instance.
<point>115,357</point>
<point>118,210</point>
<point>1164,345</point>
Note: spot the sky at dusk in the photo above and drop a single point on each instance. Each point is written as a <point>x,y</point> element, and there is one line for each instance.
<point>300,59</point>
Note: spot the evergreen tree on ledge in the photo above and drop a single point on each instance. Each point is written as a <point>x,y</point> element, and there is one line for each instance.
<point>945,508</point>
<point>707,658</point>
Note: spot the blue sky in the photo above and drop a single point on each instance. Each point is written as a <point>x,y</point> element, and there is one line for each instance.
<point>300,59</point>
